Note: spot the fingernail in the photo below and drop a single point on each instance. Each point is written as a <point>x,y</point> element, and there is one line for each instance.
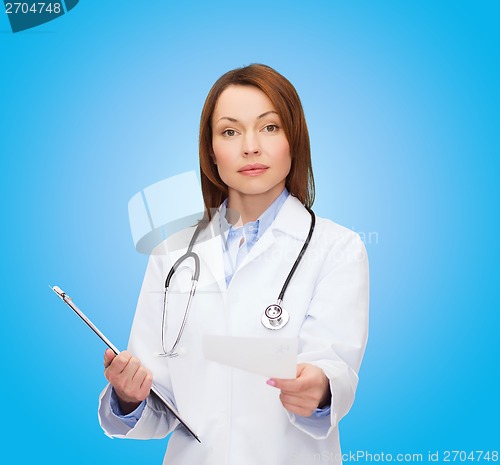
<point>271,382</point>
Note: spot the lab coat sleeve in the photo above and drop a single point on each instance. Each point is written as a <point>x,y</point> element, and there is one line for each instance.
<point>335,330</point>
<point>156,421</point>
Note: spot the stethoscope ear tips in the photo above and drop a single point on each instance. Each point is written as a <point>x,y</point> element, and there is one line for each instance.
<point>275,317</point>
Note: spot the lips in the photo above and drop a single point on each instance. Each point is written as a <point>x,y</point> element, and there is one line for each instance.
<point>253,169</point>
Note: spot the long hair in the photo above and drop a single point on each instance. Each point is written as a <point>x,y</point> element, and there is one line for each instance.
<point>286,101</point>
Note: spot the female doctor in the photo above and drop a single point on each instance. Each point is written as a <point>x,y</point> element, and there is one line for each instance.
<point>258,186</point>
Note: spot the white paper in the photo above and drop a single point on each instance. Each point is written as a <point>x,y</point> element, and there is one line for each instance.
<point>273,357</point>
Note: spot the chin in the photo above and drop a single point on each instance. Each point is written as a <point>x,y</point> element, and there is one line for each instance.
<point>259,190</point>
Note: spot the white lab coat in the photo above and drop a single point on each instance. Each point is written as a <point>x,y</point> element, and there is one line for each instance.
<point>238,417</point>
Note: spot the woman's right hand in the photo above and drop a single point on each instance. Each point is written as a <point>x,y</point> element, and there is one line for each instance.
<point>131,381</point>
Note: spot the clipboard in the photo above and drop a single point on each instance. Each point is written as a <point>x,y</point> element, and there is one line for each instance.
<point>67,300</point>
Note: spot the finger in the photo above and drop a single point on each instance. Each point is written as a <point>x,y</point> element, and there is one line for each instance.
<point>146,381</point>
<point>286,385</point>
<point>130,370</point>
<point>299,410</point>
<point>133,365</point>
<point>120,362</point>
<point>299,400</point>
<point>109,356</point>
<point>298,405</point>
<point>290,385</point>
<point>122,369</point>
<point>130,384</point>
<point>140,384</point>
<point>139,376</point>
<point>308,377</point>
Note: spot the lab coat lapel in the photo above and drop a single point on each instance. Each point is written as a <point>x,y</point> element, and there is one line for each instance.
<point>209,248</point>
<point>293,220</point>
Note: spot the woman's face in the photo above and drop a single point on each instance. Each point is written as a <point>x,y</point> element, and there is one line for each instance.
<point>250,148</point>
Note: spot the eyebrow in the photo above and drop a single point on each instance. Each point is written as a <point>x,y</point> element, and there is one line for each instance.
<point>234,120</point>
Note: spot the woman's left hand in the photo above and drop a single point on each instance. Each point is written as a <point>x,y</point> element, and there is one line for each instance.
<point>304,394</point>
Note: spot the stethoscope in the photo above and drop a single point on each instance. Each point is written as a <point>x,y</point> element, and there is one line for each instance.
<point>274,316</point>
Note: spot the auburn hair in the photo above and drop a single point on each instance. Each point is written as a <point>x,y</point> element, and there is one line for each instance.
<point>286,102</point>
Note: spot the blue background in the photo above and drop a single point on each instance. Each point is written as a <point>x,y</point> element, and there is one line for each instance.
<point>402,102</point>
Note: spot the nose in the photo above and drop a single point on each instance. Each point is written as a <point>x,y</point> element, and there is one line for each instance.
<point>251,144</point>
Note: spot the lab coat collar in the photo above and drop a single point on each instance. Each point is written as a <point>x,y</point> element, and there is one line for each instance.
<point>293,219</point>
<point>209,248</point>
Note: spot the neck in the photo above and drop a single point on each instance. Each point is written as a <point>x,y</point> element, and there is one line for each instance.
<point>251,206</point>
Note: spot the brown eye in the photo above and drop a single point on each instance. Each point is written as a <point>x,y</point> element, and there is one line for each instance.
<point>229,132</point>
<point>271,128</point>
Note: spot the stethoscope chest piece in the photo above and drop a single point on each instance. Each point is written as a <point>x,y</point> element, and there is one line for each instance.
<point>275,317</point>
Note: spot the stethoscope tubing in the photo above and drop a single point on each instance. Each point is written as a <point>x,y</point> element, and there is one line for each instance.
<point>299,257</point>
<point>194,281</point>
<point>196,274</point>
